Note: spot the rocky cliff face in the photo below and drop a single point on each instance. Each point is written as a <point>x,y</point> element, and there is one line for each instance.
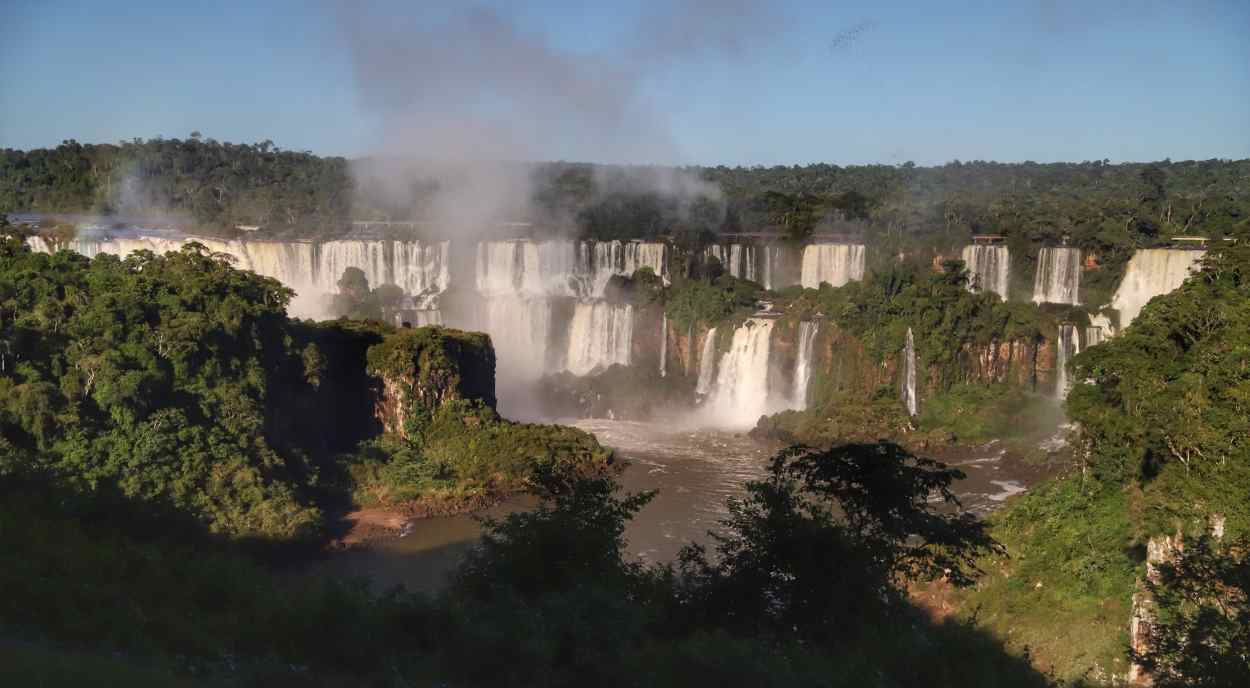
<point>423,369</point>
<point>1015,363</point>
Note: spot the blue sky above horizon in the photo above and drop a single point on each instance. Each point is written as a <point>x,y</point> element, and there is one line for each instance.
<point>788,83</point>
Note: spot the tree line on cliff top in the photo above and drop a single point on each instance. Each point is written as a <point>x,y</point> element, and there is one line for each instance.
<point>1097,205</point>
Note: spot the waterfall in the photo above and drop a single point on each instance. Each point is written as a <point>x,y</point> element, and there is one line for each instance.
<point>1058,278</point>
<point>520,329</point>
<point>600,260</point>
<point>836,264</point>
<point>1093,336</point>
<point>546,268</point>
<point>1151,273</point>
<point>739,260</point>
<point>740,395</point>
<point>707,364</point>
<point>663,345</point>
<point>1068,345</point>
<point>990,267</point>
<point>910,399</point>
<point>311,269</point>
<point>770,255</point>
<point>803,362</point>
<point>599,336</point>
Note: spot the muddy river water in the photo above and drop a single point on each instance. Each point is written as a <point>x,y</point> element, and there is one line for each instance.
<point>694,471</point>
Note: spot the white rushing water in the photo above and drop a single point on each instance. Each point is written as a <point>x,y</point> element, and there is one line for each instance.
<point>520,329</point>
<point>740,395</point>
<point>1150,273</point>
<point>1093,336</point>
<point>910,399</point>
<point>739,260</point>
<point>836,264</point>
<point>312,269</point>
<point>527,268</point>
<point>803,362</point>
<point>707,364</point>
<point>600,335</point>
<point>770,257</point>
<point>1058,278</point>
<point>664,345</point>
<point>600,260</point>
<point>990,267</point>
<point>1068,345</point>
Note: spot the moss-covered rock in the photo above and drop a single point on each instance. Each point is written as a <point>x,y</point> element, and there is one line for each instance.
<point>423,369</point>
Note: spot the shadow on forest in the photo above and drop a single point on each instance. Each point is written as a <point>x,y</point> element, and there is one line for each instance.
<point>105,574</point>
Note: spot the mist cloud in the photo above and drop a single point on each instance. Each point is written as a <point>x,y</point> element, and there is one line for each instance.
<point>461,92</point>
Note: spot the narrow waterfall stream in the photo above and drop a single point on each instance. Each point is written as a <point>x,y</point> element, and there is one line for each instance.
<point>1067,345</point>
<point>707,364</point>
<point>803,363</point>
<point>664,345</point>
<point>910,399</point>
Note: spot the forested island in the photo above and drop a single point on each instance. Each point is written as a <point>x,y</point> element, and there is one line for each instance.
<point>174,442</point>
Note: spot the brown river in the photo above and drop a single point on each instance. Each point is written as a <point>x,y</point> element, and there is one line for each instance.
<point>694,472</point>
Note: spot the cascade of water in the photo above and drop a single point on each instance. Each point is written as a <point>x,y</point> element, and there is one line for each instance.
<point>910,399</point>
<point>603,259</point>
<point>990,267</point>
<point>520,329</point>
<point>1058,278</point>
<point>599,336</point>
<point>1151,273</point>
<point>836,264</point>
<point>1068,345</point>
<point>421,269</point>
<point>663,345</point>
<point>803,362</point>
<point>770,258</point>
<point>739,260</point>
<point>740,395</point>
<point>1093,336</point>
<point>547,268</point>
<point>707,364</point>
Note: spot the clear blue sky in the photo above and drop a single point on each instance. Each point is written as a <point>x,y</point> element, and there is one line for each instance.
<point>841,82</point>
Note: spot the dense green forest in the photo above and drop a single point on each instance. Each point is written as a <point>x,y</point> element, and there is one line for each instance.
<point>179,381</point>
<point>1097,205</point>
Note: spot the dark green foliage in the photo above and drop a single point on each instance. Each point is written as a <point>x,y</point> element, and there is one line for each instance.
<point>1170,403</point>
<point>448,441</point>
<point>711,303</point>
<point>357,301</point>
<point>1201,626</point>
<point>437,364</point>
<point>574,537</point>
<point>151,375</point>
<point>550,599</point>
<point>830,539</point>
